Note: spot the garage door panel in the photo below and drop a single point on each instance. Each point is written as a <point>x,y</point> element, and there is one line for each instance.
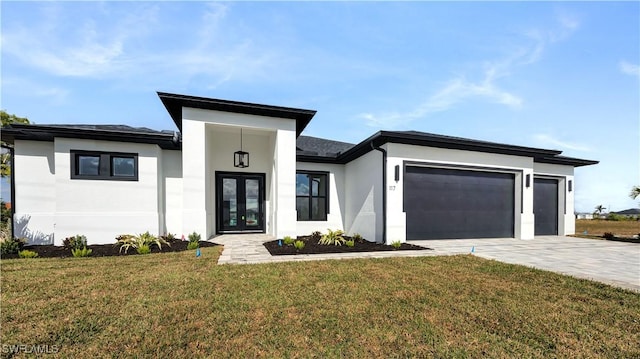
<point>446,203</point>
<point>545,206</point>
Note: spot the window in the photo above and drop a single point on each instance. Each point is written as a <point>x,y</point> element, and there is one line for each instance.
<point>312,200</point>
<point>104,165</point>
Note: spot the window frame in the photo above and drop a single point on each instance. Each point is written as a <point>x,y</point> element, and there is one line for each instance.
<point>105,170</point>
<point>310,196</point>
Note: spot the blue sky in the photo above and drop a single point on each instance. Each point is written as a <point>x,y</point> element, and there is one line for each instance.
<point>554,75</point>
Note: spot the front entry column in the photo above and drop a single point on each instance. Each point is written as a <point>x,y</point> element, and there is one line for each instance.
<point>285,215</point>
<point>194,193</point>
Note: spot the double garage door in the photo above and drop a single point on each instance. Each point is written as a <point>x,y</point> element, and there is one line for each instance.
<point>443,203</point>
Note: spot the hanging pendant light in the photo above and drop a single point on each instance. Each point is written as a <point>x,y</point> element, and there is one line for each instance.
<point>241,158</point>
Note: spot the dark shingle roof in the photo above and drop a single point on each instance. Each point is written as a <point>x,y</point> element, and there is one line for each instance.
<point>314,146</point>
<point>121,133</point>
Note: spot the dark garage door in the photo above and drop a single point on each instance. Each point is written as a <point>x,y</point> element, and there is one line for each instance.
<point>445,203</point>
<point>545,206</point>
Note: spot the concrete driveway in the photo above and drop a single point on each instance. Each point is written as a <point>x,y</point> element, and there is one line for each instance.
<point>615,263</point>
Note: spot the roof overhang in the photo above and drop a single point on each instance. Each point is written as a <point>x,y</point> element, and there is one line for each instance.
<point>175,102</point>
<point>166,140</point>
<point>431,140</point>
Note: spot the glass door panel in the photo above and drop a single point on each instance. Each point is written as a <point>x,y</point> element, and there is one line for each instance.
<point>252,203</point>
<point>240,202</point>
<point>229,203</point>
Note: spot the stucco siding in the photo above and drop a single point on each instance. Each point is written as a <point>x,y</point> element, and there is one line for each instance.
<point>104,209</point>
<point>35,191</point>
<point>363,188</point>
<point>336,216</point>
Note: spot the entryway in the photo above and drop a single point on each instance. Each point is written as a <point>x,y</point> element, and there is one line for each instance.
<point>240,202</point>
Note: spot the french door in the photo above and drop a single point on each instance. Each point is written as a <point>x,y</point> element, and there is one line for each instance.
<point>240,202</point>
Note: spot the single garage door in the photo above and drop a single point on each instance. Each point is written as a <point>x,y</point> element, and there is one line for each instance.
<point>446,203</point>
<point>545,206</point>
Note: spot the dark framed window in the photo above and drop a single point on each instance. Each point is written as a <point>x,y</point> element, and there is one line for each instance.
<point>312,195</point>
<point>113,166</point>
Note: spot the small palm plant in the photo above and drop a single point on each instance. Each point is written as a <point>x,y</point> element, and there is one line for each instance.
<point>141,243</point>
<point>332,238</point>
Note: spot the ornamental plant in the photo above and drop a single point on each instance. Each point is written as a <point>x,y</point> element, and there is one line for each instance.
<point>193,245</point>
<point>27,254</point>
<point>142,240</point>
<point>396,244</point>
<point>299,245</point>
<point>11,245</point>
<point>332,238</point>
<point>288,240</point>
<point>75,242</point>
<point>81,252</point>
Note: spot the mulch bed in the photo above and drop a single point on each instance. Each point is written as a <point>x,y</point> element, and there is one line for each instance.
<point>313,247</point>
<point>104,250</point>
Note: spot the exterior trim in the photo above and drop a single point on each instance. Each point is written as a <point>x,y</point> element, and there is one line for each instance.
<point>174,104</point>
<point>165,140</point>
<point>327,195</point>
<point>105,171</point>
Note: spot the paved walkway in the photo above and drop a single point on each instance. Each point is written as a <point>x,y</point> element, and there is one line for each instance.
<point>615,263</point>
<point>248,249</point>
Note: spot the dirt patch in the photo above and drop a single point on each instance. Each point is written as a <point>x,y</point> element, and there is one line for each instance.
<point>105,250</point>
<point>311,246</point>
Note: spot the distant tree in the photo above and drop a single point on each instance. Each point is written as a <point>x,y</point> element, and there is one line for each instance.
<point>599,210</point>
<point>635,192</point>
<point>5,157</point>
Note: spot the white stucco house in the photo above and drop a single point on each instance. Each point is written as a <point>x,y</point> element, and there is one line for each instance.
<point>103,181</point>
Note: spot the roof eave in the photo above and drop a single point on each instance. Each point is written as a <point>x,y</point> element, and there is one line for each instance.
<point>175,102</point>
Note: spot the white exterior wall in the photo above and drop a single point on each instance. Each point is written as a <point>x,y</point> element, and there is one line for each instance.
<point>519,166</point>
<point>172,184</point>
<point>363,188</point>
<point>51,206</point>
<point>104,209</point>
<point>564,174</point>
<point>336,216</point>
<point>35,191</point>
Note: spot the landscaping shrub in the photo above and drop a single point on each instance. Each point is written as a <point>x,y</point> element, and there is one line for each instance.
<point>27,254</point>
<point>193,245</point>
<point>143,249</point>
<point>168,237</point>
<point>315,236</point>
<point>287,240</point>
<point>396,244</point>
<point>357,237</point>
<point>81,252</point>
<point>11,245</point>
<point>299,245</point>
<point>608,235</point>
<point>194,237</point>
<point>75,242</point>
<point>142,240</point>
<point>350,243</point>
<point>332,238</point>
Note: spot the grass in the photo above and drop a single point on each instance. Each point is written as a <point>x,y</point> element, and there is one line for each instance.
<point>175,305</point>
<point>597,227</point>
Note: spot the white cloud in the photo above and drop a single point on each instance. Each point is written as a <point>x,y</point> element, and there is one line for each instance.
<point>548,140</point>
<point>629,69</point>
<point>459,89</point>
<point>119,43</point>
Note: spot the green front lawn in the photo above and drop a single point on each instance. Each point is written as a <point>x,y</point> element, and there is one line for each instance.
<point>176,305</point>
